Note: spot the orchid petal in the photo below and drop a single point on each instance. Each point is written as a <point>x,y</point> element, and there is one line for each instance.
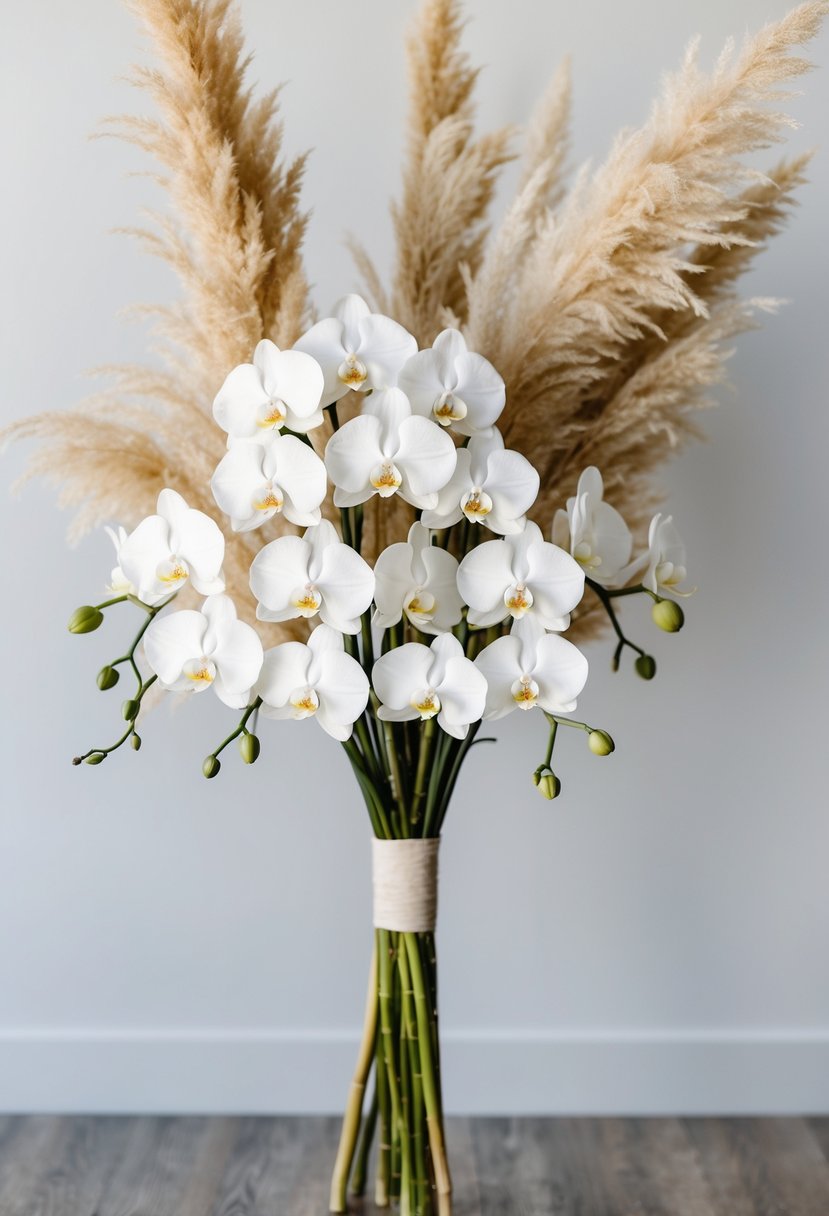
<point>346,582</point>
<point>561,673</point>
<point>352,452</point>
<point>484,576</point>
<point>276,571</point>
<point>324,343</point>
<point>237,401</point>
<point>284,669</point>
<point>500,664</point>
<point>401,672</point>
<point>426,457</point>
<point>343,690</point>
<point>173,639</point>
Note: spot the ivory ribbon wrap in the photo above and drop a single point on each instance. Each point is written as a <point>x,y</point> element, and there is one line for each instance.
<point>405,884</point>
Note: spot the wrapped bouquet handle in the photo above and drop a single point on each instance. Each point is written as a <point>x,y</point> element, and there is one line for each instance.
<point>405,884</point>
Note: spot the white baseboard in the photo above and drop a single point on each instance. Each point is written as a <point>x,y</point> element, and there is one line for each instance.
<point>262,1072</point>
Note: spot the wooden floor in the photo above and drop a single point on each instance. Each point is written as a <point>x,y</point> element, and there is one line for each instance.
<point>56,1166</point>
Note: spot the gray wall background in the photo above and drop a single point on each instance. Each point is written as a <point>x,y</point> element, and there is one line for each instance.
<point>657,939</point>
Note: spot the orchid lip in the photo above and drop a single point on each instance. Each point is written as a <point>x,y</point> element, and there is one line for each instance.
<point>518,600</point>
<point>304,702</point>
<point>307,600</point>
<point>420,606</point>
<point>426,702</point>
<point>272,415</point>
<point>353,372</point>
<point>525,692</point>
<point>476,505</point>
<point>201,671</point>
<point>584,555</point>
<point>172,572</point>
<point>448,409</point>
<point>268,499</point>
<point>386,479</point>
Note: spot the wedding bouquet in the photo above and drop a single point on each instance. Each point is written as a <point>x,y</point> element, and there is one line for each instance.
<point>386,521</point>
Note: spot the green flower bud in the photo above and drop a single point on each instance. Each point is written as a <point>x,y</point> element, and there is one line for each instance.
<point>96,758</point>
<point>107,678</point>
<point>645,666</point>
<point>135,743</point>
<point>549,786</point>
<point>249,748</point>
<point>600,743</point>
<point>130,710</point>
<point>668,616</point>
<point>211,766</point>
<point>85,619</point>
<point>537,776</point>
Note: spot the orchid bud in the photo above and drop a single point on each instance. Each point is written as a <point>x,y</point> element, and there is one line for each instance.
<point>96,758</point>
<point>211,766</point>
<point>549,786</point>
<point>130,710</point>
<point>85,619</point>
<point>645,666</point>
<point>107,678</point>
<point>668,615</point>
<point>135,743</point>
<point>600,743</point>
<point>249,748</point>
<point>537,776</point>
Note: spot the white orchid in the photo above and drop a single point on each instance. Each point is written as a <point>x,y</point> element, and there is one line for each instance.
<point>665,557</point>
<point>192,651</point>
<point>520,576</point>
<point>314,574</point>
<point>315,680</point>
<point>388,450</point>
<point>416,681</point>
<point>419,580</point>
<point>529,668</point>
<point>357,349</point>
<point>252,483</point>
<point>491,485</point>
<point>119,584</point>
<point>594,532</point>
<point>453,385</point>
<point>167,550</point>
<point>279,388</point>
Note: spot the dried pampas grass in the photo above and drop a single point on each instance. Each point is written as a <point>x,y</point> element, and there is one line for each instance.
<point>608,310</point>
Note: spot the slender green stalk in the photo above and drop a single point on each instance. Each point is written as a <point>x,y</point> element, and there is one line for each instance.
<point>382,1182</point>
<point>399,1132</point>
<point>431,1092</point>
<point>354,1105</point>
<point>359,1172</point>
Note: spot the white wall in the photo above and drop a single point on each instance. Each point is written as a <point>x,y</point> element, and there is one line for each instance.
<point>657,939</point>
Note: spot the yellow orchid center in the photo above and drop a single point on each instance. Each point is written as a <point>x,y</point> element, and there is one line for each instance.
<point>172,572</point>
<point>476,505</point>
<point>518,600</point>
<point>525,692</point>
<point>353,372</point>
<point>304,702</point>
<point>420,606</point>
<point>268,499</point>
<point>307,600</point>
<point>427,703</point>
<point>448,409</point>
<point>272,415</point>
<point>386,479</point>
<point>201,672</point>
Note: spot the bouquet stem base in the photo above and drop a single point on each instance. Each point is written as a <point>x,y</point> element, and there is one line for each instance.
<point>400,1046</point>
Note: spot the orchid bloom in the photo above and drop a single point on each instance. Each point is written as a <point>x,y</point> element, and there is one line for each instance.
<point>520,576</point>
<point>593,531</point>
<point>280,388</point>
<point>315,680</point>
<point>357,349</point>
<point>388,450</point>
<point>191,651</point>
<point>252,483</point>
<point>529,668</point>
<point>454,386</point>
<point>416,681</point>
<point>119,584</point>
<point>490,486</point>
<point>665,558</point>
<point>167,550</point>
<point>419,580</point>
<point>315,574</point>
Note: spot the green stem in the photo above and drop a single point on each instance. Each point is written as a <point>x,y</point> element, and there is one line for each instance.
<point>359,1172</point>
<point>240,729</point>
<point>431,1093</point>
<point>427,739</point>
<point>604,596</point>
<point>384,951</point>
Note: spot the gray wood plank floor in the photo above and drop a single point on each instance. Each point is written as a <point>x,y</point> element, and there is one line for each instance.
<point>125,1166</point>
